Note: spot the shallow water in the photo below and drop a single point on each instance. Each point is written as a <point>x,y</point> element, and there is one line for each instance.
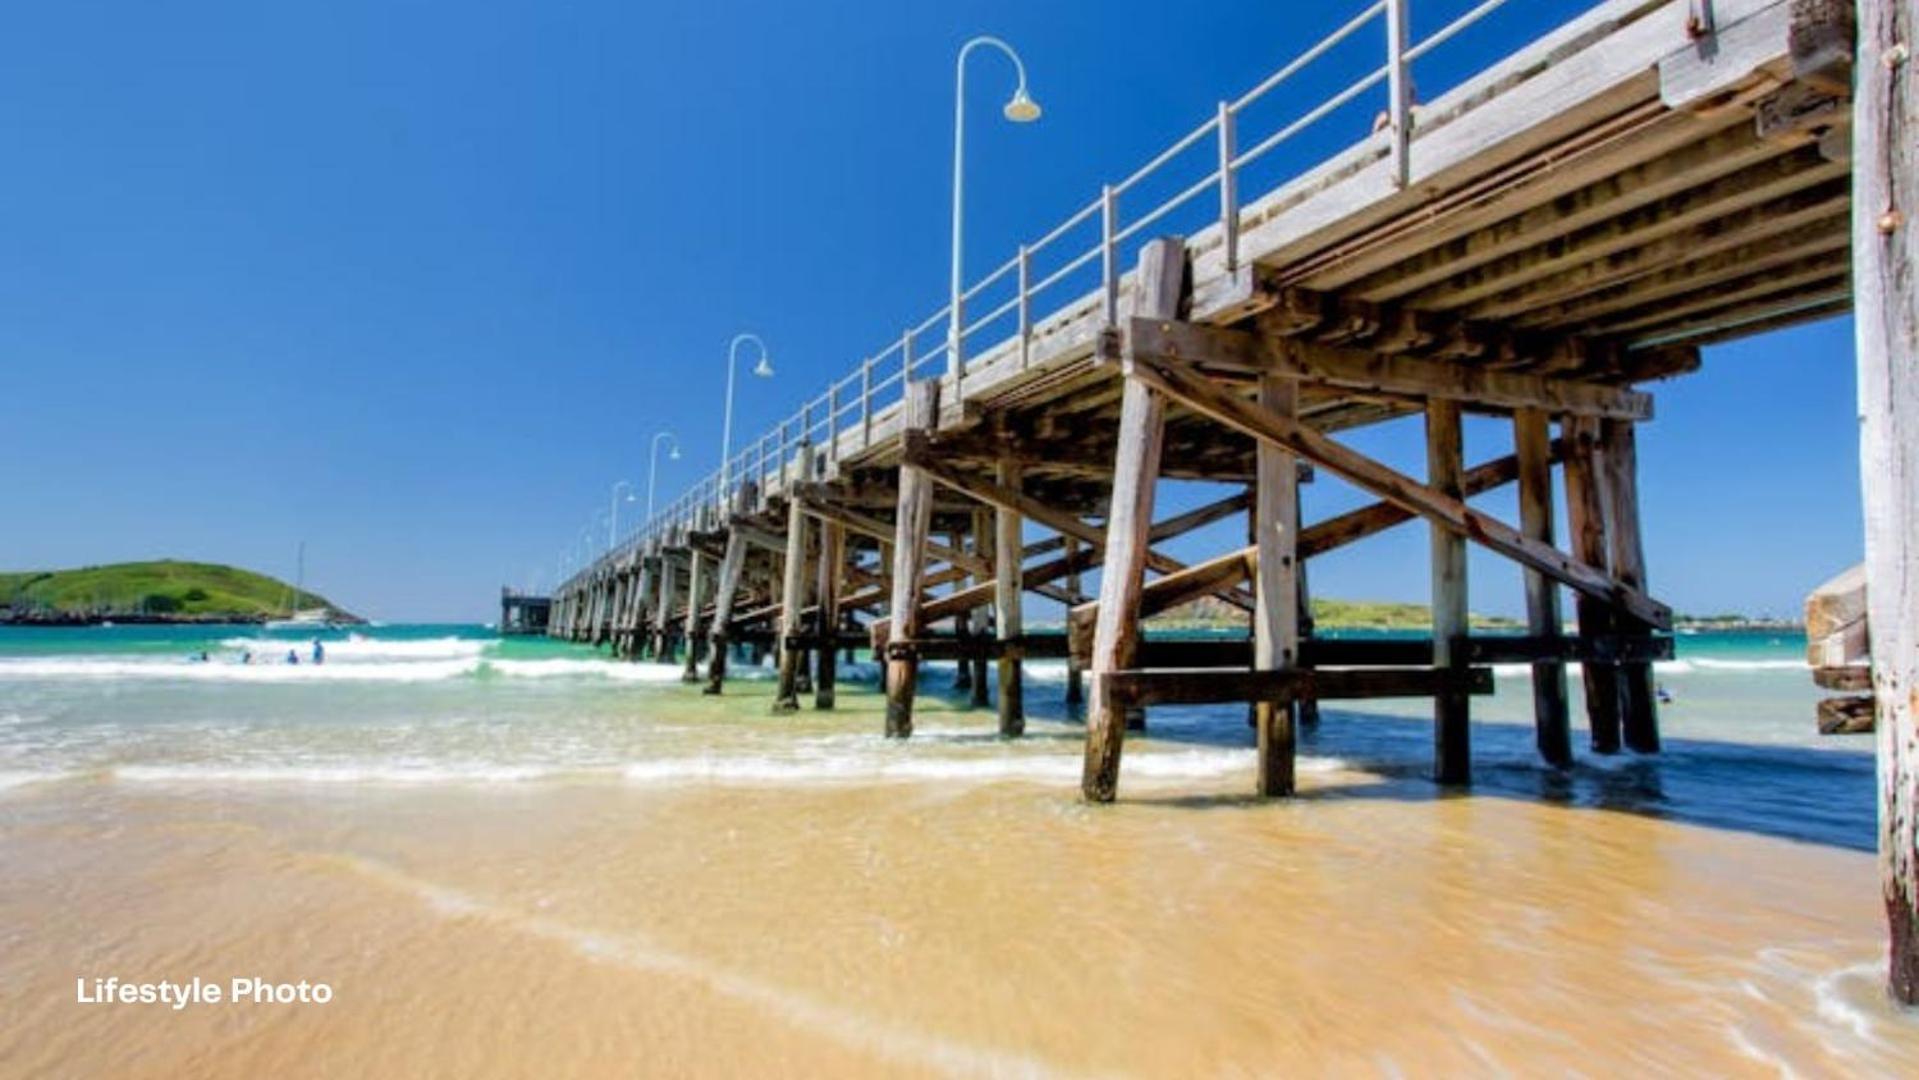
<point>519,858</point>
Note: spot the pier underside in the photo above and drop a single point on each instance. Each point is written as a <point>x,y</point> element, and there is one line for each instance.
<point>1559,233</point>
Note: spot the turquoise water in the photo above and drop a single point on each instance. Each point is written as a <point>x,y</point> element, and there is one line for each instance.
<point>457,704</point>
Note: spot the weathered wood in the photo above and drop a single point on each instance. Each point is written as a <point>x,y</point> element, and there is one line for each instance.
<point>913,520</point>
<point>1452,719</point>
<point>793,596</point>
<point>669,584</point>
<point>1532,441</point>
<point>1638,708</point>
<point>1075,676</point>
<point>1207,686</point>
<point>1850,715</point>
<point>1276,588</point>
<point>1586,519</point>
<point>832,560</point>
<point>1007,595</point>
<point>1160,280</point>
<point>1225,351</point>
<point>725,592</point>
<point>1885,253</point>
<point>1853,677</point>
<point>695,574</point>
<point>1836,627</point>
<point>1164,594</point>
<point>1196,392</point>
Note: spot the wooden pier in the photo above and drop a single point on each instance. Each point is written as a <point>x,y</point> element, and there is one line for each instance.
<point>1541,243</point>
<point>1537,244</point>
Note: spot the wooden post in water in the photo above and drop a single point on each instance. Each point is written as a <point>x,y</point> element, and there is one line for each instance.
<point>983,533</point>
<point>962,622</point>
<point>1075,678</point>
<point>1142,428</point>
<point>1452,717</point>
<point>662,629</point>
<point>1007,596</point>
<point>694,572</point>
<point>1305,709</point>
<point>832,559</point>
<point>918,414</point>
<point>1586,519</point>
<point>793,594</point>
<point>1885,284</point>
<point>1276,586</point>
<point>727,587</point>
<point>1639,711</point>
<point>808,624</point>
<point>1532,446</point>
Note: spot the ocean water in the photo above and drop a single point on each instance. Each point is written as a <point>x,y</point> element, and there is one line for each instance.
<point>436,820</point>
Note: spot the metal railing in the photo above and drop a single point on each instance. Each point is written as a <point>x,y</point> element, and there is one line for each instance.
<point>851,406</point>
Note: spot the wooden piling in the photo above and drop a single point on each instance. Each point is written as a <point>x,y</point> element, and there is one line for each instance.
<point>984,622</point>
<point>1142,427</point>
<point>1007,595</point>
<point>1885,265</point>
<point>1452,719</point>
<point>1075,678</point>
<point>669,574</point>
<point>962,622</point>
<point>696,569</point>
<point>832,557</point>
<point>1532,445</point>
<point>919,414</point>
<point>724,591</point>
<point>793,595</point>
<point>1638,706</point>
<point>1586,520</point>
<point>1276,588</point>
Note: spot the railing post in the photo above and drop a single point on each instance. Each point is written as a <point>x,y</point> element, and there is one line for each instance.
<point>833,423</point>
<point>1399,88</point>
<point>1109,253</point>
<point>866,403</point>
<point>1025,306</point>
<point>1228,187</point>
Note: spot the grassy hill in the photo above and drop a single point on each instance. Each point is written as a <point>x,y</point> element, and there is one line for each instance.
<point>166,589</point>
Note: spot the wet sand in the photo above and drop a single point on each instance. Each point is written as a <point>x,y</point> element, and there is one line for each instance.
<point>945,927</point>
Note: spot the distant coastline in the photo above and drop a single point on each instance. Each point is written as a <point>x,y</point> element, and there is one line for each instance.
<point>161,591</point>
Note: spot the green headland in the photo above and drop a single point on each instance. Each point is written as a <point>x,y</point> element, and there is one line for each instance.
<point>163,590</point>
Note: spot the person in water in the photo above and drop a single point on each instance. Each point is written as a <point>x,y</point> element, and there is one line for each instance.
<point>293,657</point>
<point>319,652</point>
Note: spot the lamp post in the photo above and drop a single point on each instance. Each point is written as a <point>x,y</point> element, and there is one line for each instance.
<point>613,517</point>
<point>653,467</point>
<point>1020,109</point>
<point>764,369</point>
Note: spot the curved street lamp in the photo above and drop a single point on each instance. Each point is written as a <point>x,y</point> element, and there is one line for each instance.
<point>613,518</point>
<point>1020,109</point>
<point>764,369</point>
<point>653,468</point>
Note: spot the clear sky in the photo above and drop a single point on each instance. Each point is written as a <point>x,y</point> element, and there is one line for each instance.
<point>415,282</point>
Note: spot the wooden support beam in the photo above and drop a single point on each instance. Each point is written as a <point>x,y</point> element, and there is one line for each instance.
<point>1532,439</point>
<point>1163,594</point>
<point>793,595</point>
<point>669,573</point>
<point>1158,285</point>
<point>920,453</point>
<point>1075,676</point>
<point>1219,350</point>
<point>867,525</point>
<point>1276,586</point>
<point>832,559</point>
<point>1638,707</point>
<point>1885,255</point>
<point>696,571</point>
<point>1452,718</point>
<point>1209,686</point>
<point>723,596</point>
<point>1185,384</point>
<point>919,413</point>
<point>1007,593</point>
<point>1586,518</point>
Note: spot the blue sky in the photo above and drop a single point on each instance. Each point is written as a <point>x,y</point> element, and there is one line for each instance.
<point>415,282</point>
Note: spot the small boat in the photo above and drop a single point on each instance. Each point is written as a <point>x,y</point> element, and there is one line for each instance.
<point>301,618</point>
